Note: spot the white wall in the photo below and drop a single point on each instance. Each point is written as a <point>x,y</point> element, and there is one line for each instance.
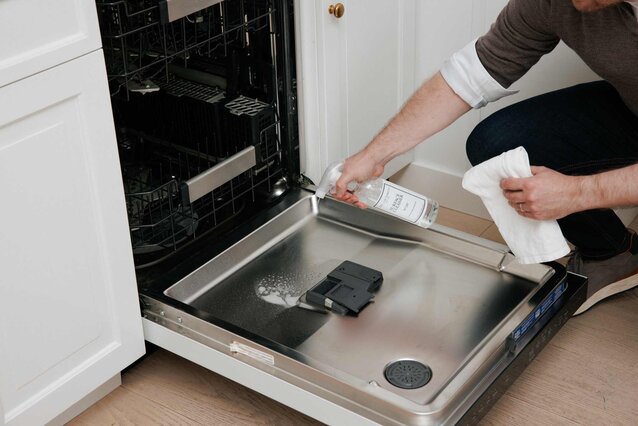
<point>442,28</point>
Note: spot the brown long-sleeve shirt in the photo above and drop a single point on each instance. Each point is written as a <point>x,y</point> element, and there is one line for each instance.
<point>607,40</point>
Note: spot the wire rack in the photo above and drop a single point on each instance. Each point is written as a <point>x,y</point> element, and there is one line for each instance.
<point>186,96</point>
<point>139,47</point>
<point>154,172</point>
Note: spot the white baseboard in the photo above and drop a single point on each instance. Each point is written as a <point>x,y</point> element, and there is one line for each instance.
<point>627,215</point>
<point>447,190</point>
<point>442,187</point>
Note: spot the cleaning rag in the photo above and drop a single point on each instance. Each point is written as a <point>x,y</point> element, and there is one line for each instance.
<point>531,241</point>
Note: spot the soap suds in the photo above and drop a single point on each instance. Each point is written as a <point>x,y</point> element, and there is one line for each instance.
<point>284,289</point>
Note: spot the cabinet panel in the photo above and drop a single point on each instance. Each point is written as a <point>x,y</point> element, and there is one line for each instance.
<point>357,71</point>
<point>36,35</point>
<point>69,316</point>
<point>379,67</point>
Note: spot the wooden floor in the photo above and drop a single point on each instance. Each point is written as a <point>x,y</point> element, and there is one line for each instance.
<point>587,375</point>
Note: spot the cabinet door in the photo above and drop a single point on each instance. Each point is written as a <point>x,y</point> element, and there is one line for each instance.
<point>356,72</point>
<point>36,35</point>
<point>69,312</point>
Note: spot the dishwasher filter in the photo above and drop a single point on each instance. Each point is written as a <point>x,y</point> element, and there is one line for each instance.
<point>408,374</point>
<point>436,345</point>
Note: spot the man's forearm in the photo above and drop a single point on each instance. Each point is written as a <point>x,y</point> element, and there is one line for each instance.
<point>615,188</point>
<point>431,108</point>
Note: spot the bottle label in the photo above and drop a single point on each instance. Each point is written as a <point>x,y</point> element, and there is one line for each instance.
<point>401,202</point>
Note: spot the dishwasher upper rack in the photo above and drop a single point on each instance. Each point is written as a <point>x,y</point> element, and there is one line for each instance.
<point>139,46</point>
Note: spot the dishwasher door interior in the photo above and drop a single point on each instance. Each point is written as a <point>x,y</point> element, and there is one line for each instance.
<point>439,331</point>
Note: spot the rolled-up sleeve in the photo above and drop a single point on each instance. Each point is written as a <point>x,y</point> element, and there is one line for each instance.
<point>469,79</point>
<point>483,70</point>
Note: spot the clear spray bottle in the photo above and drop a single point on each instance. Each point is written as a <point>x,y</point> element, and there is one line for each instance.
<point>385,196</point>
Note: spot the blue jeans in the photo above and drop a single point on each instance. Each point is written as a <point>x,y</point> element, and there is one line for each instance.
<point>580,130</point>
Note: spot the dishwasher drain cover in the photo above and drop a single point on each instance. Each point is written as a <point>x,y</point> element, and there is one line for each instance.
<point>408,374</point>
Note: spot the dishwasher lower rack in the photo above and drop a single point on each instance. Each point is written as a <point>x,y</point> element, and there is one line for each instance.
<point>163,215</point>
<point>449,306</point>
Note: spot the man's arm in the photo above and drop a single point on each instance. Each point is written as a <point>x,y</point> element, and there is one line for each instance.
<point>433,107</point>
<point>552,195</point>
<point>474,76</point>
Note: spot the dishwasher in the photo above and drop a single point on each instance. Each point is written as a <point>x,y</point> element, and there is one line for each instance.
<point>229,239</point>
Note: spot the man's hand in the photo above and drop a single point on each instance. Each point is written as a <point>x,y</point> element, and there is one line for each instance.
<point>546,195</point>
<point>360,167</point>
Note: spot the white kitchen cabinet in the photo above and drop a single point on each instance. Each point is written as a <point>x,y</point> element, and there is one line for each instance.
<point>356,72</point>
<point>69,312</point>
<point>36,35</point>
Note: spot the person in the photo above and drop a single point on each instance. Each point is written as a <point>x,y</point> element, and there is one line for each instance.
<point>582,141</point>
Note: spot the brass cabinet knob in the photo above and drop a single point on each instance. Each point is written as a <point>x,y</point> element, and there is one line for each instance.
<point>337,10</point>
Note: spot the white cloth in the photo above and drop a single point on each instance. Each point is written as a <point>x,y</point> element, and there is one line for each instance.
<point>531,241</point>
<point>469,79</point>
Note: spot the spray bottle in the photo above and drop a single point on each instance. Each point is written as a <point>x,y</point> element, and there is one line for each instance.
<point>385,196</point>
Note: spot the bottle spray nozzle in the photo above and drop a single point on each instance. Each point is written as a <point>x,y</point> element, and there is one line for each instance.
<point>330,178</point>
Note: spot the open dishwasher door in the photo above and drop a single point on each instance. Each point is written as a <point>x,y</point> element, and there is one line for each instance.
<point>453,324</point>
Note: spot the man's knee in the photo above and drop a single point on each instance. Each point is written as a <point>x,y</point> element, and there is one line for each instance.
<point>504,130</point>
<point>481,144</point>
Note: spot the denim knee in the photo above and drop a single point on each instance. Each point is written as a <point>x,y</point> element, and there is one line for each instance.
<point>504,130</point>
<point>479,146</point>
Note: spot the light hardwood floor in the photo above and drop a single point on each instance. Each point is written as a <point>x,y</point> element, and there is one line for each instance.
<point>587,375</point>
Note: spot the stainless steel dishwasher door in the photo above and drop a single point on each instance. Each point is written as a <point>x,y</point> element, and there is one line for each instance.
<point>448,301</point>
